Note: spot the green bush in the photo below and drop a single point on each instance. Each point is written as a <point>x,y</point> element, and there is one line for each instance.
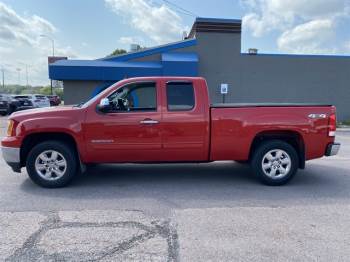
<point>344,123</point>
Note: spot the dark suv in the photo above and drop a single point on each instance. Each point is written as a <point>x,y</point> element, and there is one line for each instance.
<point>12,103</point>
<point>21,102</point>
<point>4,104</point>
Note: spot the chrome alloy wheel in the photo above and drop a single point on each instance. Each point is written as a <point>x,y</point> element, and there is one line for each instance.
<point>50,165</point>
<point>276,163</point>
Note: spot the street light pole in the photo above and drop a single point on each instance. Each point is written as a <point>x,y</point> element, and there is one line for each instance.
<point>19,75</point>
<point>27,76</point>
<point>3,77</point>
<point>53,53</point>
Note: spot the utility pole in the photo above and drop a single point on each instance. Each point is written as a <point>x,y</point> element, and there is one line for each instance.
<point>19,75</point>
<point>3,77</point>
<point>53,52</point>
<point>27,76</point>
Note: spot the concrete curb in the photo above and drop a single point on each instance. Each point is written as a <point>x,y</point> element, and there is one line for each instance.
<point>343,129</point>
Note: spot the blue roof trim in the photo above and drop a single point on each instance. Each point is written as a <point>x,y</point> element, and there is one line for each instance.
<point>99,63</point>
<point>180,57</point>
<point>299,55</point>
<point>180,64</point>
<point>102,70</point>
<point>172,64</point>
<point>152,51</point>
<point>217,20</point>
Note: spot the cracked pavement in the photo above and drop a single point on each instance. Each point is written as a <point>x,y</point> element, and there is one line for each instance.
<point>188,212</point>
<point>70,236</point>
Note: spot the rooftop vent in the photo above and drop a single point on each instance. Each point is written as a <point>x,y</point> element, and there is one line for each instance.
<point>253,51</point>
<point>184,35</point>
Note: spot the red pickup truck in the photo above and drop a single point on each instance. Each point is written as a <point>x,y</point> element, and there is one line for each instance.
<point>162,120</point>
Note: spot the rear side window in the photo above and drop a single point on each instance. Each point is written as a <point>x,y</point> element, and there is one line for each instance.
<point>180,96</point>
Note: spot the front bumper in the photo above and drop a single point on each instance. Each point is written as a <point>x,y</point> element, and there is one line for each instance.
<point>332,149</point>
<point>12,157</point>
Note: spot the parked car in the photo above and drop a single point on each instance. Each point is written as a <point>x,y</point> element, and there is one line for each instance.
<point>167,119</point>
<point>20,103</point>
<point>4,104</point>
<point>54,100</point>
<point>35,100</point>
<point>9,104</point>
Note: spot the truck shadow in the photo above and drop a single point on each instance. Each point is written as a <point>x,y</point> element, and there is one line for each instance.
<point>191,185</point>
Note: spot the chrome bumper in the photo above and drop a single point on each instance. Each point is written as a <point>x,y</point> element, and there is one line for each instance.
<point>332,149</point>
<point>12,157</point>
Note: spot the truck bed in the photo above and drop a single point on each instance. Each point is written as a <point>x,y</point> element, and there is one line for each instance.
<point>238,105</point>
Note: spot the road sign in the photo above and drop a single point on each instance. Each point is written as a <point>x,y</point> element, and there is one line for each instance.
<point>224,89</point>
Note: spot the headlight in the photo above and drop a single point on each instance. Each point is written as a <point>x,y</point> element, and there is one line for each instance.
<point>10,126</point>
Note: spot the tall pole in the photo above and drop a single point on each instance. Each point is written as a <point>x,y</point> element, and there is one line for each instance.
<point>3,77</point>
<point>19,75</point>
<point>27,76</point>
<point>53,54</point>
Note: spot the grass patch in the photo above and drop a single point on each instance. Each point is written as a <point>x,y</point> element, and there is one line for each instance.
<point>344,123</point>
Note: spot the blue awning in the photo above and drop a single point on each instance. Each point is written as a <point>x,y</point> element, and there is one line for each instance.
<point>119,67</point>
<point>102,70</point>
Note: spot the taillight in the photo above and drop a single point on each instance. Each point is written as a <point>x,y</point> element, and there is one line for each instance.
<point>332,125</point>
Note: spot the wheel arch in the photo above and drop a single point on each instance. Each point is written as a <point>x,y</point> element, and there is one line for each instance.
<point>293,138</point>
<point>35,138</point>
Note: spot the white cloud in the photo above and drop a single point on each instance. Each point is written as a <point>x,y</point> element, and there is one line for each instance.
<point>127,40</point>
<point>267,15</point>
<point>304,26</point>
<point>312,37</point>
<point>21,46</point>
<point>22,30</point>
<point>159,23</point>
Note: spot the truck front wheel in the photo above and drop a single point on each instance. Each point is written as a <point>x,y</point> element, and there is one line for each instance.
<point>52,164</point>
<point>275,162</point>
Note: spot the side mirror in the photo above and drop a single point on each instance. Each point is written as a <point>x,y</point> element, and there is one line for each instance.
<point>104,105</point>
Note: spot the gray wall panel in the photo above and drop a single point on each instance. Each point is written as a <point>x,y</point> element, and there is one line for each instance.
<point>78,91</point>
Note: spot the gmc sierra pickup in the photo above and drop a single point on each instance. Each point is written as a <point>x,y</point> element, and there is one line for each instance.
<point>167,119</point>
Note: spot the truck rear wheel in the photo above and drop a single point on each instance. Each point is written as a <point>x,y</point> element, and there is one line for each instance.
<point>275,162</point>
<point>52,164</point>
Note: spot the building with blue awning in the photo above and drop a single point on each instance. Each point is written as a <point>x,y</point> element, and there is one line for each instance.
<point>213,51</point>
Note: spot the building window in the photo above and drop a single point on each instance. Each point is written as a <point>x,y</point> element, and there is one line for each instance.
<point>180,96</point>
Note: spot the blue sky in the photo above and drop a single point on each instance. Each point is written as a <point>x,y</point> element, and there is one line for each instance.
<point>87,29</point>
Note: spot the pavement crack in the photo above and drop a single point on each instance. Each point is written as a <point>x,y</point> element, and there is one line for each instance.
<point>32,249</point>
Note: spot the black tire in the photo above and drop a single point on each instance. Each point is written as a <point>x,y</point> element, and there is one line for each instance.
<point>265,148</point>
<point>66,151</point>
<point>3,113</point>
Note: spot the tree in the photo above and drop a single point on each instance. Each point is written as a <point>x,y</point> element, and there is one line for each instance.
<point>118,52</point>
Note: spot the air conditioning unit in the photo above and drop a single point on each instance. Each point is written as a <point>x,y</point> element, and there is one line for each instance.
<point>252,51</point>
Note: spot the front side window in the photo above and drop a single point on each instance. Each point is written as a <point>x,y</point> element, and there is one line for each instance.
<point>134,97</point>
<point>180,96</point>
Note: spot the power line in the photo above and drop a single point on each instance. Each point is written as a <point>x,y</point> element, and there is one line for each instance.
<point>180,9</point>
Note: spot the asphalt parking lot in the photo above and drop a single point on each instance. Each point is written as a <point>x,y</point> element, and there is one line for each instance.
<point>182,212</point>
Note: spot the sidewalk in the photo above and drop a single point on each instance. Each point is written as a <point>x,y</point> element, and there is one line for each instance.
<point>343,129</point>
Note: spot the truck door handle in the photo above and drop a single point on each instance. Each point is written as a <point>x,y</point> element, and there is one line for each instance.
<point>148,121</point>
